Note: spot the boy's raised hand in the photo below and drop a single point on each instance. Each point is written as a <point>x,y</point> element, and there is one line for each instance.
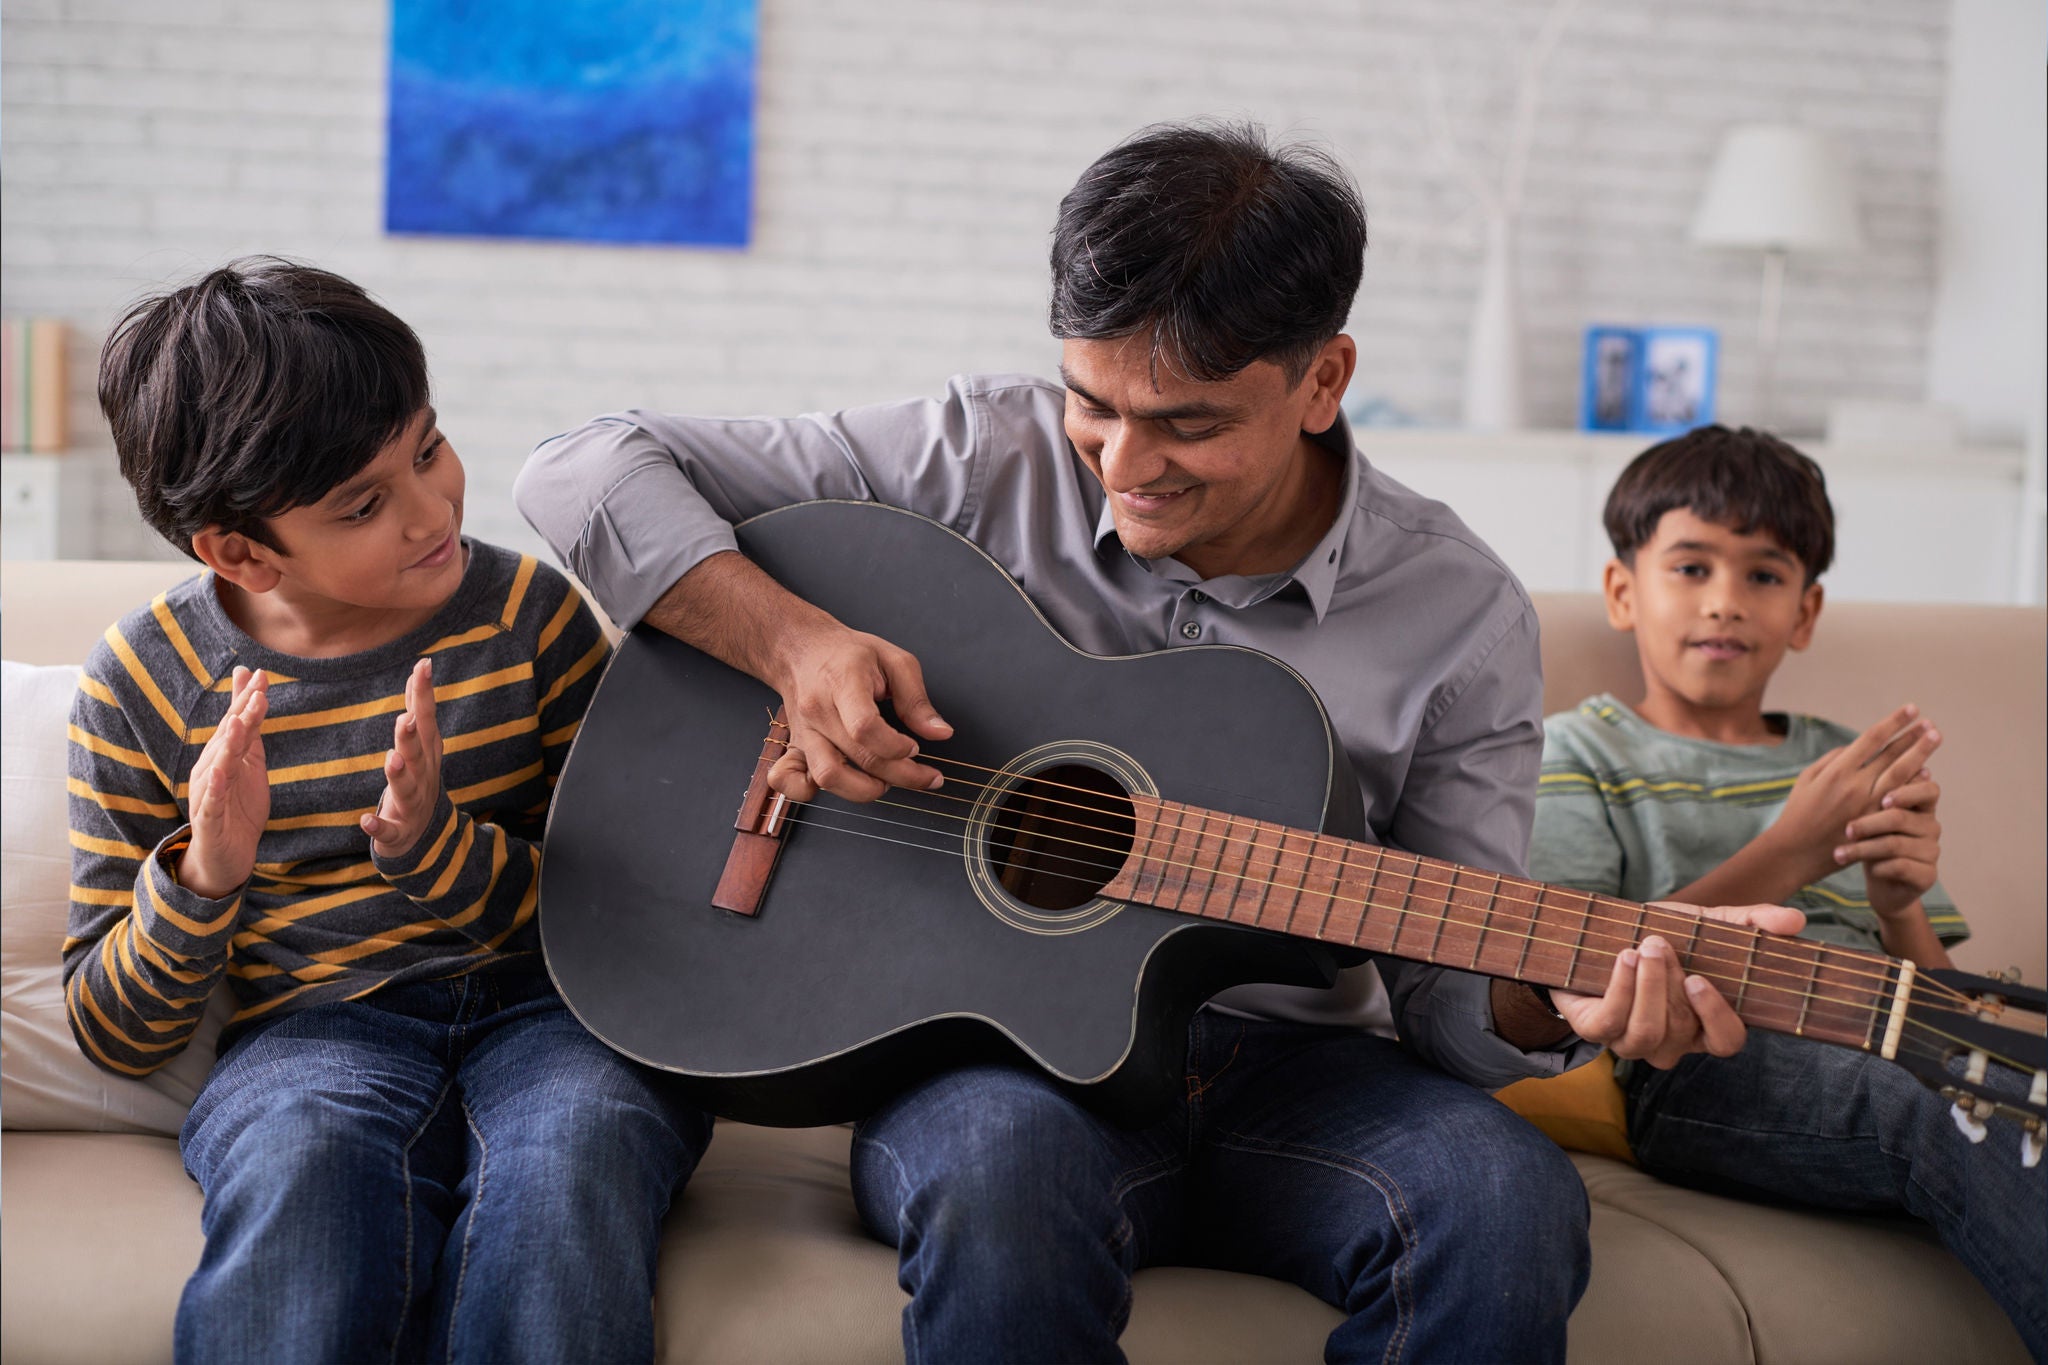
<point>1848,784</point>
<point>1899,846</point>
<point>412,771</point>
<point>229,797</point>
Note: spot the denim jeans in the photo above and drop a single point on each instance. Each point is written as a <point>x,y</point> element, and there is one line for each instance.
<point>1788,1118</point>
<point>1442,1224</point>
<point>450,1170</point>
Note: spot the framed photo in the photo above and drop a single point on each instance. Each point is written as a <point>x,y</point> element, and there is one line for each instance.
<point>1650,379</point>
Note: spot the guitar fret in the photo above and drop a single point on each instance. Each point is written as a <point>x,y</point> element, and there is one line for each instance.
<point>1372,892</point>
<point>1437,936</point>
<point>1300,888</point>
<point>1806,1000</point>
<point>1529,939</point>
<point>1265,881</point>
<point>1244,867</point>
<point>1330,896</point>
<point>1171,899</point>
<point>1485,923</point>
<point>1579,945</point>
<point>1337,886</point>
<point>1748,963</point>
<point>1213,865</point>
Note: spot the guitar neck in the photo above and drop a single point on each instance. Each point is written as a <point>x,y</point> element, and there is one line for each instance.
<point>1357,895</point>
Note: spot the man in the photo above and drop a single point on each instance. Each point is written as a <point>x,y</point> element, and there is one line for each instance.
<point>1192,482</point>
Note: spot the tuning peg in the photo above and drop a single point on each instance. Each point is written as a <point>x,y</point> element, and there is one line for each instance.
<point>1967,1120</point>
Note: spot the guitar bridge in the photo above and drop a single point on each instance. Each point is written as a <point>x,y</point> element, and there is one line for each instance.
<point>760,824</point>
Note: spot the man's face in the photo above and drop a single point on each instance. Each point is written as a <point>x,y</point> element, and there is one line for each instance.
<point>1217,475</point>
<point>1713,613</point>
<point>387,539</point>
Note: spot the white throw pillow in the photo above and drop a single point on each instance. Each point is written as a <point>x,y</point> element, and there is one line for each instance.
<point>45,1081</point>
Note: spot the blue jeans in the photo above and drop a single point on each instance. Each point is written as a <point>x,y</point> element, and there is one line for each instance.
<point>450,1170</point>
<point>1791,1119</point>
<point>1442,1224</point>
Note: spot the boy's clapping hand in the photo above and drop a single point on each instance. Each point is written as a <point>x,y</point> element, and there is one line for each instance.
<point>1837,796</point>
<point>229,794</point>
<point>1899,846</point>
<point>412,771</point>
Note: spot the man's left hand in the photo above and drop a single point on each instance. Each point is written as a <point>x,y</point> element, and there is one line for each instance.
<point>1654,1010</point>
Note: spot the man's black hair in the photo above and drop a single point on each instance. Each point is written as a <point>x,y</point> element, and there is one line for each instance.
<point>1744,479</point>
<point>258,387</point>
<point>1224,249</point>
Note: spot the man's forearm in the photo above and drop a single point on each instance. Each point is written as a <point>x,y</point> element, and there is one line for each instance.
<point>1521,1019</point>
<point>731,609</point>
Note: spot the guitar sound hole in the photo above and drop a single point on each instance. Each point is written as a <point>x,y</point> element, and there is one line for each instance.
<point>1060,835</point>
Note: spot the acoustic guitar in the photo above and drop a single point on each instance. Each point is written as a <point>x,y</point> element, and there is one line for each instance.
<point>1117,840</point>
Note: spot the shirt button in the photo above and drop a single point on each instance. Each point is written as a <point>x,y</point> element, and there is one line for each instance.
<point>1198,597</point>
<point>1192,630</point>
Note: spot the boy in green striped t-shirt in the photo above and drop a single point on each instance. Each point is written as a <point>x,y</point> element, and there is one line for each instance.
<point>316,777</point>
<point>1697,794</point>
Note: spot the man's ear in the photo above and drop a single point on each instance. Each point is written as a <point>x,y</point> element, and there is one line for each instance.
<point>1329,374</point>
<point>248,564</point>
<point>1809,616</point>
<point>1618,586</point>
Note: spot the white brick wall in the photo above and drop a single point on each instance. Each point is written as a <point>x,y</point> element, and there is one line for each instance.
<point>909,157</point>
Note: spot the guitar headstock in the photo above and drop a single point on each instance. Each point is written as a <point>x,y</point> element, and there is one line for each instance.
<point>1981,1042</point>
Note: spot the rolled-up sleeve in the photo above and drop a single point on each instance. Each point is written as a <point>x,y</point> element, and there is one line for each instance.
<point>632,501</point>
<point>1470,797</point>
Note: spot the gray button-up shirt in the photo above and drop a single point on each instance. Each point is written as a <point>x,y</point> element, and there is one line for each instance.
<point>1419,641</point>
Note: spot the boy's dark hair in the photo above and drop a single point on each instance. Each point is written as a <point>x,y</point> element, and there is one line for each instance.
<point>257,388</point>
<point>1227,250</point>
<point>1746,479</point>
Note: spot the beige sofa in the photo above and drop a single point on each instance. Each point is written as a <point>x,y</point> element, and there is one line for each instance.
<point>764,1259</point>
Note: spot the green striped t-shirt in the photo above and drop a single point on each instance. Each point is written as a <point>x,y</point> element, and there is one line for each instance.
<point>1626,809</point>
<point>516,657</point>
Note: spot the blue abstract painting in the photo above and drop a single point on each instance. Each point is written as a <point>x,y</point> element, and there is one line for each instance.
<point>597,120</point>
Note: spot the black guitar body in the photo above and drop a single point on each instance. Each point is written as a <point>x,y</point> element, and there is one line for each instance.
<point>873,962</point>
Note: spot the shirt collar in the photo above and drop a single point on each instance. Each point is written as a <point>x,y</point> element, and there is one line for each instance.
<point>1317,572</point>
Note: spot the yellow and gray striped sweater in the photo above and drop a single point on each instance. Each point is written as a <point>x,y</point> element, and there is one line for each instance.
<point>516,656</point>
<point>1626,809</point>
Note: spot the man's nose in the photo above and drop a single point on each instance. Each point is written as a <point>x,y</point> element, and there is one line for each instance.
<point>1126,462</point>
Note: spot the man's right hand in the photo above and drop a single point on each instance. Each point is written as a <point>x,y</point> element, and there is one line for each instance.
<point>229,795</point>
<point>832,681</point>
<point>1849,782</point>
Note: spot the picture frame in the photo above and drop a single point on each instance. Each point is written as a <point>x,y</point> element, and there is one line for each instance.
<point>1656,380</point>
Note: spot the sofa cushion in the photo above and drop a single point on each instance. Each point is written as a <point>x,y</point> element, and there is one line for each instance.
<point>45,1081</point>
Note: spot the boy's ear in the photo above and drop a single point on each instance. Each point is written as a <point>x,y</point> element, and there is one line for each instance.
<point>1618,586</point>
<point>1809,614</point>
<point>247,564</point>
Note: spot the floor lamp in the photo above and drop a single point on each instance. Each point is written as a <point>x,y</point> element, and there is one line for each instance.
<point>1777,190</point>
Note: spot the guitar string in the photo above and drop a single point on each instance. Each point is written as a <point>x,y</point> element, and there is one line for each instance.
<point>1254,844</point>
<point>1410,915</point>
<point>810,817</point>
<point>1798,990</point>
<point>1676,922</point>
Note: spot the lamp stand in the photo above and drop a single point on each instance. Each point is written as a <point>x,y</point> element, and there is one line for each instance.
<point>1767,336</point>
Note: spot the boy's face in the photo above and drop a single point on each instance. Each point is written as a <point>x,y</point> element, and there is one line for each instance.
<point>387,539</point>
<point>1713,612</point>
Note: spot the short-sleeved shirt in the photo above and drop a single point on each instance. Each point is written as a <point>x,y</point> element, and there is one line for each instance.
<point>1420,643</point>
<point>1626,809</point>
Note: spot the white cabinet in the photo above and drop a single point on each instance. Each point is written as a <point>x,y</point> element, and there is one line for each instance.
<point>49,506</point>
<point>1912,524</point>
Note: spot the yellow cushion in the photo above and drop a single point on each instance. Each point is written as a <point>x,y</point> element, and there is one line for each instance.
<point>1581,1111</point>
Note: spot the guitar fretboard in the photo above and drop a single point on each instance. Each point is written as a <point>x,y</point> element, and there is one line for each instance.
<point>1268,876</point>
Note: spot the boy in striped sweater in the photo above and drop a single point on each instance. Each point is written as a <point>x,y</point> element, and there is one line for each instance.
<point>316,776</point>
<point>1698,794</point>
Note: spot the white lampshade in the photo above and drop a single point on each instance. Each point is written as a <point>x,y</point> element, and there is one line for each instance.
<point>1776,188</point>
